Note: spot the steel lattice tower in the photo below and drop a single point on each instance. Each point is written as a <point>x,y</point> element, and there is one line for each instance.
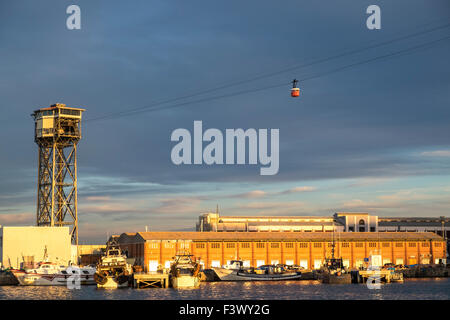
<point>57,132</point>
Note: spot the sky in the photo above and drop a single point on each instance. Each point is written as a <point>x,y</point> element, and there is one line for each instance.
<point>374,137</point>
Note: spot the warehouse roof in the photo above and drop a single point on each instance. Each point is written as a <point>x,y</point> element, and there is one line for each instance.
<point>278,236</point>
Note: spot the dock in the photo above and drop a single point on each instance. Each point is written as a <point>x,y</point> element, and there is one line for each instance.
<point>150,280</point>
<point>384,275</point>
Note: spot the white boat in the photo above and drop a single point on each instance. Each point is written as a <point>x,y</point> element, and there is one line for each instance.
<point>113,271</point>
<point>52,274</point>
<point>184,272</point>
<point>235,272</point>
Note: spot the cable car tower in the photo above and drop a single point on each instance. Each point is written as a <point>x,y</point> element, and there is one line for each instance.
<point>57,132</point>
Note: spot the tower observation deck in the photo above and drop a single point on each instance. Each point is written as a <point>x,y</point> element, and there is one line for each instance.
<point>57,132</point>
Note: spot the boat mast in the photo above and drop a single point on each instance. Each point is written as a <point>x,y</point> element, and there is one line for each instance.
<point>332,245</point>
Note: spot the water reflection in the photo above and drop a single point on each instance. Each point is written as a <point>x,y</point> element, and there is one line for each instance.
<point>294,290</point>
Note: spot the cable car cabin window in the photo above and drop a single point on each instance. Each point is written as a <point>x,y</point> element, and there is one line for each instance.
<point>386,244</point>
<point>289,245</point>
<point>438,244</point>
<point>47,113</point>
<point>200,245</point>
<point>70,112</point>
<point>245,245</point>
<point>230,245</point>
<point>372,244</point>
<point>215,245</point>
<point>411,245</point>
<point>260,245</point>
<point>317,245</point>
<point>274,245</point>
<point>359,245</point>
<point>425,244</point>
<point>303,245</point>
<point>345,245</point>
<point>399,245</point>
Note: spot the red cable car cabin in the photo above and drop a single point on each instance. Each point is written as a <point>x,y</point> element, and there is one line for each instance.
<point>295,92</point>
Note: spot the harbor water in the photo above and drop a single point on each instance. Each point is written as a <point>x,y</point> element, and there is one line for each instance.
<point>411,289</point>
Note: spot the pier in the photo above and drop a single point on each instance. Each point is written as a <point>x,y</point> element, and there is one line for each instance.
<point>150,280</point>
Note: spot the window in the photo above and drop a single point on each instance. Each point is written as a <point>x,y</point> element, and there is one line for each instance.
<point>303,245</point>
<point>386,244</point>
<point>168,245</point>
<point>260,245</point>
<point>274,245</point>
<point>230,245</point>
<point>215,245</point>
<point>200,245</point>
<point>361,222</point>
<point>399,245</point>
<point>345,245</point>
<point>70,112</point>
<point>372,229</point>
<point>372,244</point>
<point>289,245</point>
<point>317,245</point>
<point>411,245</point>
<point>425,244</point>
<point>359,244</point>
<point>351,229</point>
<point>438,244</point>
<point>245,245</point>
<point>154,245</point>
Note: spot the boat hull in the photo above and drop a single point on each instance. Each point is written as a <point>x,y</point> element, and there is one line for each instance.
<point>345,278</point>
<point>111,283</point>
<point>36,279</point>
<point>185,282</point>
<point>236,275</point>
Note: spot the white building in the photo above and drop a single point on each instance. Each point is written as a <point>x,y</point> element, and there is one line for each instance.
<point>26,245</point>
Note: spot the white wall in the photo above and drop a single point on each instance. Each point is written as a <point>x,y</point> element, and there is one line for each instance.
<point>31,241</point>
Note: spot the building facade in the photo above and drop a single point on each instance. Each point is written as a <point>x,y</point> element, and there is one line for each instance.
<point>25,246</point>
<point>340,222</point>
<point>213,249</point>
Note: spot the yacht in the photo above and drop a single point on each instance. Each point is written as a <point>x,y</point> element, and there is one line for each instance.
<point>185,272</point>
<point>113,271</point>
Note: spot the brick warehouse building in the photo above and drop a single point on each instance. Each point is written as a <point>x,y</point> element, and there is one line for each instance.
<point>213,249</point>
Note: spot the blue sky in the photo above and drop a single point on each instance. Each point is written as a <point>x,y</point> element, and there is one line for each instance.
<point>370,138</point>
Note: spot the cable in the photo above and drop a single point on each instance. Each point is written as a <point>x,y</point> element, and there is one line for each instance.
<point>397,53</point>
<point>273,73</point>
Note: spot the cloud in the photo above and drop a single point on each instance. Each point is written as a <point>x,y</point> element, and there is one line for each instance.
<point>250,194</point>
<point>17,218</point>
<point>98,198</point>
<point>299,189</point>
<point>175,205</point>
<point>271,205</point>
<point>437,153</point>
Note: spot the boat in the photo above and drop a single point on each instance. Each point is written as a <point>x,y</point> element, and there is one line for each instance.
<point>235,271</point>
<point>333,270</point>
<point>113,271</point>
<point>50,273</point>
<point>184,272</point>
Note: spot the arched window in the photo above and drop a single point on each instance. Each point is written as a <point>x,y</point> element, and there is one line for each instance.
<point>362,225</point>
